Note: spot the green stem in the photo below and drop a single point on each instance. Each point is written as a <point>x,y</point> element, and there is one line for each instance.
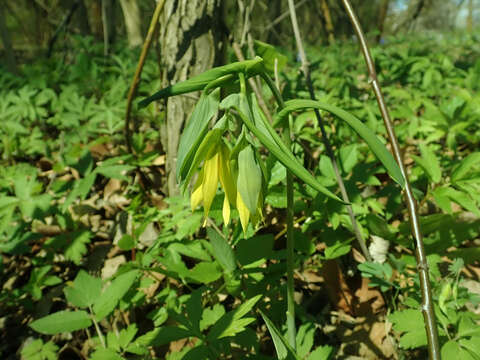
<point>97,328</point>
<point>291,329</point>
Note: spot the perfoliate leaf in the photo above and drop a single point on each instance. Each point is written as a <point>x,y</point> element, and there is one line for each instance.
<point>248,67</point>
<point>270,56</point>
<point>195,131</point>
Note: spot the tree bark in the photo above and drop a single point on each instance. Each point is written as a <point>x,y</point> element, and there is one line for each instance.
<point>7,44</point>
<point>82,18</point>
<point>470,16</point>
<point>328,21</point>
<point>382,15</point>
<point>131,14</point>
<point>189,37</point>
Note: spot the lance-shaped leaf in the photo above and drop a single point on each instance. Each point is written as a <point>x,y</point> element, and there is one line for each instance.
<point>361,129</point>
<point>199,82</point>
<point>282,347</point>
<point>465,166</point>
<point>195,131</point>
<point>249,181</point>
<point>280,150</point>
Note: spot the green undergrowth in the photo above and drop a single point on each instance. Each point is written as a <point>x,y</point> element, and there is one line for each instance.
<point>97,263</point>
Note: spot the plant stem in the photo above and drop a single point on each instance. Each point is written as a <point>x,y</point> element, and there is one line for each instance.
<point>325,140</point>
<point>291,329</point>
<point>138,71</point>
<point>422,265</point>
<point>97,328</point>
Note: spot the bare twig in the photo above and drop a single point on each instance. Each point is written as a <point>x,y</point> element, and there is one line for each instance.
<point>283,16</point>
<point>427,304</point>
<point>326,142</point>
<point>138,71</point>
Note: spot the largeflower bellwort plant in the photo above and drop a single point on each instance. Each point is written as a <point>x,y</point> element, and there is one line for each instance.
<point>231,107</point>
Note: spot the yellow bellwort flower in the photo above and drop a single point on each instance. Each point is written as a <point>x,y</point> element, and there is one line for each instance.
<point>216,167</point>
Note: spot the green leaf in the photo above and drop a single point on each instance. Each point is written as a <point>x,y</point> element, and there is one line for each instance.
<point>164,335</point>
<point>324,352</point>
<point>349,157</point>
<point>251,250</point>
<point>282,153</point>
<point>37,350</point>
<point>77,247</point>
<point>282,348</point>
<point>209,143</point>
<point>114,171</point>
<point>205,272</point>
<point>270,55</point>
<point>249,181</point>
<point>462,199</point>
<point>361,129</point>
<point>62,321</point>
<point>85,290</point>
<point>410,323</point>
<point>429,163</point>
<point>222,251</point>
<point>249,67</point>
<point>109,299</point>
<point>452,350</point>
<point>465,166</point>
<point>472,345</point>
<point>233,322</point>
<point>126,242</point>
<point>195,131</point>
<point>211,315</point>
<point>337,250</point>
<point>105,354</point>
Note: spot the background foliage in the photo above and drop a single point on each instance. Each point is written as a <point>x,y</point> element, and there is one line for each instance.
<point>98,263</point>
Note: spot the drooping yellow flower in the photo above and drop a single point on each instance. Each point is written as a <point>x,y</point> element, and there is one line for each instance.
<point>216,167</point>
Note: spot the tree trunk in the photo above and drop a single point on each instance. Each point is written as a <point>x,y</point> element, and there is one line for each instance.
<point>328,21</point>
<point>189,37</point>
<point>470,16</point>
<point>382,15</point>
<point>7,44</point>
<point>131,14</point>
<point>108,20</point>
<point>82,19</point>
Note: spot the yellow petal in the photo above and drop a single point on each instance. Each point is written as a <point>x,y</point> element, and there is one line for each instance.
<point>243,212</point>
<point>226,211</point>
<point>210,182</point>
<point>197,193</point>
<point>225,175</point>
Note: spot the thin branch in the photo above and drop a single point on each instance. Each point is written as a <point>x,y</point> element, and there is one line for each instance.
<point>427,304</point>
<point>283,16</point>
<point>66,20</point>
<point>138,71</point>
<point>326,141</point>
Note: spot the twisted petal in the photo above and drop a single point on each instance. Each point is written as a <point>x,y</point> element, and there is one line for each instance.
<point>210,181</point>
<point>197,194</point>
<point>226,210</point>
<point>225,174</point>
